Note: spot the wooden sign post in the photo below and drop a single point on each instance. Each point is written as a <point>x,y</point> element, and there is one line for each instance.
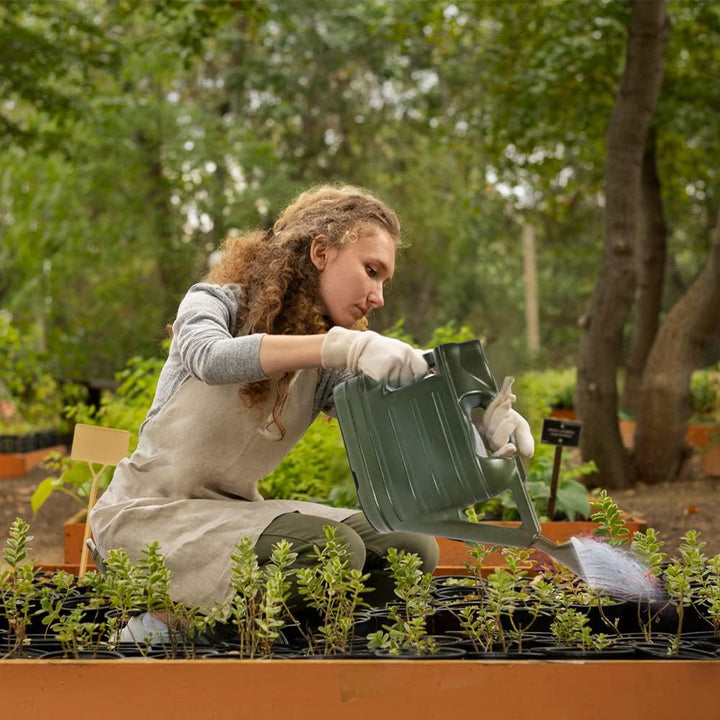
<point>97,446</point>
<point>560,433</point>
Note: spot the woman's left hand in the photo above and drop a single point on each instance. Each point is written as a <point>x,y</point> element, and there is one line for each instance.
<point>500,424</point>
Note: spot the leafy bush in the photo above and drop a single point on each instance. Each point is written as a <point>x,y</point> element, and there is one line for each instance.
<point>451,333</point>
<point>443,334</point>
<point>705,395</point>
<point>27,380</point>
<point>538,392</point>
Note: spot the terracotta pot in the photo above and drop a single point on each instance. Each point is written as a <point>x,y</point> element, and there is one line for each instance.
<point>454,554</point>
<point>627,432</point>
<point>704,438</point>
<point>563,413</point>
<point>710,458</point>
<point>700,435</point>
<point>73,533</point>
<point>358,689</point>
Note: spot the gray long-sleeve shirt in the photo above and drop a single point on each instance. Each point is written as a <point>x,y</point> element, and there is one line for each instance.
<point>208,345</point>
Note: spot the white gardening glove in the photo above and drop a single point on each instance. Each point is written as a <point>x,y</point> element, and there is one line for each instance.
<point>499,422</point>
<point>364,351</point>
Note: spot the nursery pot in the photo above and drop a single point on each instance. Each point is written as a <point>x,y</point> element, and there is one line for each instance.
<point>73,533</point>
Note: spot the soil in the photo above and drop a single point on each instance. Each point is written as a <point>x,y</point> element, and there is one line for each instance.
<point>46,527</point>
<point>671,508</point>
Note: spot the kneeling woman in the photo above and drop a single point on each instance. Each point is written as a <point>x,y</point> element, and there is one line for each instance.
<point>256,352</point>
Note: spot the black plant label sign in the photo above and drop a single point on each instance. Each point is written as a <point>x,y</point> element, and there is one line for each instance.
<point>560,432</point>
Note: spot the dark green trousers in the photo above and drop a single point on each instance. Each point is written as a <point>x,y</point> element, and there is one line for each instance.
<point>367,548</point>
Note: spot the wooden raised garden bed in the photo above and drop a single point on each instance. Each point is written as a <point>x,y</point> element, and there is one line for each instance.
<point>358,690</point>
<point>17,464</point>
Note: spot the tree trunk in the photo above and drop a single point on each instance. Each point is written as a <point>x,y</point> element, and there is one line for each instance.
<point>650,277</point>
<point>664,406</point>
<point>596,396</point>
<point>532,312</point>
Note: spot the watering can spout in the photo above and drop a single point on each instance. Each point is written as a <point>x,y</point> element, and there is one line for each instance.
<point>565,554</point>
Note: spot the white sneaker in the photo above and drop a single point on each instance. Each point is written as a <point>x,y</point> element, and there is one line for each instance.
<point>145,629</point>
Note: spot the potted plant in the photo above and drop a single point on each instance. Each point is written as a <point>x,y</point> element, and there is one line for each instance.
<point>334,590</point>
<point>562,404</point>
<point>18,589</point>
<point>257,611</point>
<point>703,429</point>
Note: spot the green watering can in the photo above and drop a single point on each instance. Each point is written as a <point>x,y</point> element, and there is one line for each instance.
<point>415,458</point>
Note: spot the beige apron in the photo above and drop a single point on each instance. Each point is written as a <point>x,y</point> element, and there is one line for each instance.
<point>191,485</point>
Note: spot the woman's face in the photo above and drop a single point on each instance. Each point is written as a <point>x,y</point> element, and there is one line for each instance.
<point>353,277</point>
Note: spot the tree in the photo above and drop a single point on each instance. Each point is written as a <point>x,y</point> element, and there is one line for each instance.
<point>600,356</point>
<point>199,119</point>
<point>650,272</point>
<point>664,407</point>
<point>41,47</point>
<point>95,249</point>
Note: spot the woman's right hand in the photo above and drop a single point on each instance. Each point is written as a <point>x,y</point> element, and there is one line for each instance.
<point>384,359</point>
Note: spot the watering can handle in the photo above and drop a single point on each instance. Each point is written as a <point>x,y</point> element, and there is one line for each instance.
<point>466,370</point>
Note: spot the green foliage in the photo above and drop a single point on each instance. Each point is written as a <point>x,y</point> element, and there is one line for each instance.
<point>333,588</point>
<point>27,379</point>
<point>612,524</point>
<point>257,609</point>
<point>709,593</point>
<point>451,332</point>
<point>398,331</point>
<point>153,577</point>
<point>502,609</point>
<point>407,631</point>
<point>53,594</point>
<point>16,548</point>
<point>145,135</point>
<point>705,395</point>
<point>684,579</point>
<point>572,499</point>
<point>76,635</point>
<point>243,607</point>
<point>648,548</point>
<point>538,392</point>
<point>18,588</point>
<point>127,406</point>
<point>570,629</point>
<point>42,55</point>
<point>156,576</point>
<point>121,585</point>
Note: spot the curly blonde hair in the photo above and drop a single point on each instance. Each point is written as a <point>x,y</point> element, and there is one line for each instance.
<point>281,284</point>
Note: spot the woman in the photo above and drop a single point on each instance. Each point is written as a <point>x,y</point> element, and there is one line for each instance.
<point>255,355</point>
